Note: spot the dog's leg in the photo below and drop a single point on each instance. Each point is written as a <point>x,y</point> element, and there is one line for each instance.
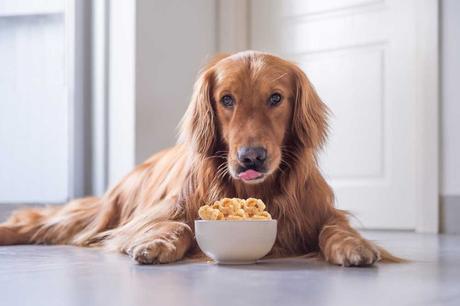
<point>22,225</point>
<point>49,225</point>
<point>164,242</point>
<point>342,245</point>
<point>10,235</point>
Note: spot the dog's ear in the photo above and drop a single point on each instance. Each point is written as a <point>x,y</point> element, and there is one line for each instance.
<point>309,113</point>
<point>198,128</point>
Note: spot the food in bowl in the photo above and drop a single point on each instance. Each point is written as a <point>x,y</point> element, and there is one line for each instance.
<point>235,209</point>
<point>229,242</point>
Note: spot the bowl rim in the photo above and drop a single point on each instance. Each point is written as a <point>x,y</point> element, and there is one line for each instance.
<point>235,221</point>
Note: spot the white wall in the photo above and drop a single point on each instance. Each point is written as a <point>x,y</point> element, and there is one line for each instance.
<point>156,49</point>
<point>450,97</point>
<point>173,40</point>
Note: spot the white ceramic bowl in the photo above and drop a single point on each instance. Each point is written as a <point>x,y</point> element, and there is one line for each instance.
<point>235,242</point>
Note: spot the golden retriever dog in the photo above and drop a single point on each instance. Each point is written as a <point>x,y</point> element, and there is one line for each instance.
<point>253,129</point>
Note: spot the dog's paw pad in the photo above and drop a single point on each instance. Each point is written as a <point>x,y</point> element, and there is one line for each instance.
<point>155,251</point>
<point>354,252</point>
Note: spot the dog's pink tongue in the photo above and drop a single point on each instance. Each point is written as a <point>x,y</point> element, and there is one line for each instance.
<point>249,175</point>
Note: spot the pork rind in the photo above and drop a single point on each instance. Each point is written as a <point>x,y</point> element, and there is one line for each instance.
<point>235,209</point>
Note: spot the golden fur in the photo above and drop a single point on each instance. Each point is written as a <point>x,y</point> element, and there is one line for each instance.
<point>149,214</point>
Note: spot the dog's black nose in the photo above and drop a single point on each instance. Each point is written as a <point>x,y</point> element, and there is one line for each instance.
<point>252,157</point>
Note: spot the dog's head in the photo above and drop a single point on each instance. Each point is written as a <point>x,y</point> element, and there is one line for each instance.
<point>253,106</point>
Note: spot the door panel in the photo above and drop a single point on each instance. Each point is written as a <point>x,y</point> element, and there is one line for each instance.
<point>34,109</point>
<point>352,80</point>
<point>302,7</point>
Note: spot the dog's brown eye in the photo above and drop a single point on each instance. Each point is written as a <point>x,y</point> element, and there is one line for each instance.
<point>275,99</point>
<point>227,101</point>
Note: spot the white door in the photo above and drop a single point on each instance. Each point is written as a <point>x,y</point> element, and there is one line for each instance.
<point>360,55</point>
<point>34,103</point>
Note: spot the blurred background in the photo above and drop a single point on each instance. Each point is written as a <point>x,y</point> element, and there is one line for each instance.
<point>88,89</point>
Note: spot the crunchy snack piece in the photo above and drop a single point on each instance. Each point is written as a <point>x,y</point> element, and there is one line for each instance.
<point>228,206</point>
<point>241,213</point>
<point>235,209</point>
<point>209,213</point>
<point>254,206</point>
<point>262,216</point>
<point>234,217</point>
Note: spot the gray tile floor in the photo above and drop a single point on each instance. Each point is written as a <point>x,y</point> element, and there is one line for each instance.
<point>62,275</point>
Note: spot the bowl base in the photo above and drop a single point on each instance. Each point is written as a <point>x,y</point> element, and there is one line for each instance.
<point>236,262</point>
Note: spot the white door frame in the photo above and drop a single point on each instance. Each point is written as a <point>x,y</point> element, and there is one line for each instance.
<point>115,120</point>
<point>427,116</point>
<point>77,40</point>
<point>113,94</point>
<point>99,98</point>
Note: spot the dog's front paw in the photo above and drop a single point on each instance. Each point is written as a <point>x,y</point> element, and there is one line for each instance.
<point>165,242</point>
<point>156,251</point>
<point>353,251</point>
